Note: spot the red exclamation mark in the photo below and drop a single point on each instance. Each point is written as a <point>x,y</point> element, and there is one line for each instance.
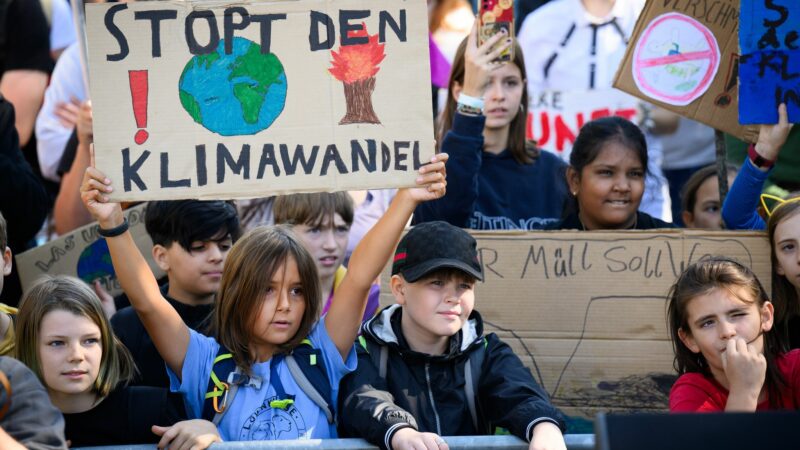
<point>138,80</point>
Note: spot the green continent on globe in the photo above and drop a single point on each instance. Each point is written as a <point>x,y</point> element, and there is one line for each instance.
<point>264,69</point>
<point>207,60</point>
<point>187,100</point>
<point>191,106</point>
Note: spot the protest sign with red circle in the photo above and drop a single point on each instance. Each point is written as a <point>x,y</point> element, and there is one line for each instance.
<point>675,60</point>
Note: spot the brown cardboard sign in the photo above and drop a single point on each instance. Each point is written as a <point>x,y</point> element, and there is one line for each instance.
<point>84,254</point>
<point>586,311</point>
<point>684,57</point>
<point>243,99</point>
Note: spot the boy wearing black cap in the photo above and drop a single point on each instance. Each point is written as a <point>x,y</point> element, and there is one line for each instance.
<point>425,370</point>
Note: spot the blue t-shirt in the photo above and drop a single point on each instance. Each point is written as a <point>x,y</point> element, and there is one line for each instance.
<point>249,417</point>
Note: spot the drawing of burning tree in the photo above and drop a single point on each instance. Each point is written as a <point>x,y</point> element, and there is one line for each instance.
<point>355,66</point>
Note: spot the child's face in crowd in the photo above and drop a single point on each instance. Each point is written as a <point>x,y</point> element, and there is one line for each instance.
<point>281,311</point>
<point>70,350</point>
<point>503,96</point>
<point>610,188</point>
<point>719,316</point>
<point>327,243</point>
<point>435,307</point>
<point>5,266</point>
<point>787,249</point>
<point>194,275</point>
<point>707,208</point>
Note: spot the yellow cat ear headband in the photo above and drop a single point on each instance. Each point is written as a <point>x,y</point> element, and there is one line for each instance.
<point>776,202</point>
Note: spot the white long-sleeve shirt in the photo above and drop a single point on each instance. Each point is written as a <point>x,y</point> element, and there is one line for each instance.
<point>51,136</point>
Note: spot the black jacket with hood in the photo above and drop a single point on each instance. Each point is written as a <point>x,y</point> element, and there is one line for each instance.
<point>427,392</point>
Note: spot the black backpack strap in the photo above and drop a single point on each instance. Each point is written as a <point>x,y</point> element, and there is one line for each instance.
<point>472,372</point>
<point>380,358</point>
<point>472,375</point>
<point>308,370</point>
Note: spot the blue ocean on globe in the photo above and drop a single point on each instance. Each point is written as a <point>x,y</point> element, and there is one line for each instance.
<point>237,94</point>
<point>95,262</point>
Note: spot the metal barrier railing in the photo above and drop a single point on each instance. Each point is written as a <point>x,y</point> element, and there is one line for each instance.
<point>574,442</point>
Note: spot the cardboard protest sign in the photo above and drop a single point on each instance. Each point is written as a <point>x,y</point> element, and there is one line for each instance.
<point>556,117</point>
<point>586,311</point>
<point>197,99</point>
<point>84,254</point>
<point>684,56</point>
<point>769,68</point>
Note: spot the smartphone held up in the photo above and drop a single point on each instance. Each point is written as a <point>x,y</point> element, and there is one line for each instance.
<point>496,15</point>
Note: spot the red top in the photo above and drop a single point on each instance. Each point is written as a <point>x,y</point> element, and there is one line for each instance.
<point>694,392</point>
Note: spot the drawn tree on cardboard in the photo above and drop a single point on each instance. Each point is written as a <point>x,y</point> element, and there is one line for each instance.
<point>356,66</point>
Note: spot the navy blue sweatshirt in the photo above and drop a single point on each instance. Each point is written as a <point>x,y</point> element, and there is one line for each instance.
<point>494,192</point>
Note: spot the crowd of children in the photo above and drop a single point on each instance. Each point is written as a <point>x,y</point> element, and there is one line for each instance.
<point>264,363</point>
<point>274,332</point>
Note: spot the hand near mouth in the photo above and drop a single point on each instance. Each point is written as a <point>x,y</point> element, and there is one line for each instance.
<point>745,369</point>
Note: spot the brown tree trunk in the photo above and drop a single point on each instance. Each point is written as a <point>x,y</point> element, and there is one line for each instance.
<point>358,96</point>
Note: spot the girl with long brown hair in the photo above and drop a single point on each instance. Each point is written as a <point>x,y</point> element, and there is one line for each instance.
<point>497,180</point>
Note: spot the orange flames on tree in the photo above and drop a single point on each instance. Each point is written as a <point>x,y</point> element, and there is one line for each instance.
<point>357,62</point>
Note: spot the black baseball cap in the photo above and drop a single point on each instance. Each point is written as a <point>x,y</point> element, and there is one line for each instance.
<point>434,245</point>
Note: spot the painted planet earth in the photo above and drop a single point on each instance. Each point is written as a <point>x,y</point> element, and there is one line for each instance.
<point>95,262</point>
<point>237,94</point>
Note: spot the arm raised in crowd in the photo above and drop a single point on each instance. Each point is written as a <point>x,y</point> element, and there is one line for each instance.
<point>464,141</point>
<point>739,212</point>
<point>165,327</point>
<point>370,256</point>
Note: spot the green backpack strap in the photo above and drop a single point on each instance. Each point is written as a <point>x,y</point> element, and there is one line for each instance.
<point>214,378</point>
<point>218,393</point>
<point>223,383</point>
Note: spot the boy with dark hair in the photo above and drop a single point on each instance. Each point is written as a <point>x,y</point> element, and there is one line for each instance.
<point>191,239</point>
<point>426,370</point>
<point>6,263</point>
<point>322,223</point>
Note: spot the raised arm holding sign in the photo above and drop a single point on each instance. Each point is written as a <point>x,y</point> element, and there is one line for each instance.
<point>253,99</point>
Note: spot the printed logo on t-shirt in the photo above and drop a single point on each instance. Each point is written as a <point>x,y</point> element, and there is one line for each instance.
<point>479,221</point>
<point>269,424</point>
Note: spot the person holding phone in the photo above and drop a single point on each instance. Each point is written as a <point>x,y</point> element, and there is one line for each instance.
<point>497,179</point>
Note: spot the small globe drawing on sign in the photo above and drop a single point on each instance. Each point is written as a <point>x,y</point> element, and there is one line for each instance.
<point>234,94</point>
<point>94,262</point>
